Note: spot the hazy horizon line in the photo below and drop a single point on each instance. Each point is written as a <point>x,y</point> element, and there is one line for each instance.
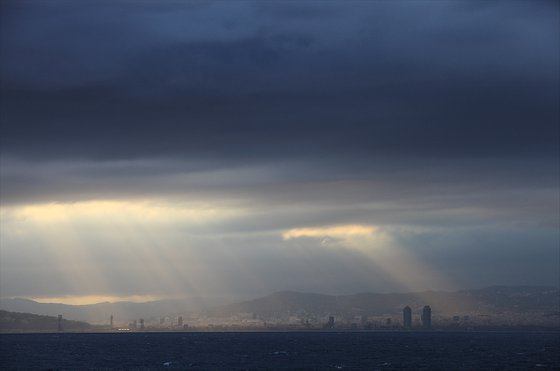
<point>74,300</point>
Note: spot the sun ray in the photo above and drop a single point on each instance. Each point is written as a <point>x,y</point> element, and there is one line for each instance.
<point>87,240</point>
<point>378,246</point>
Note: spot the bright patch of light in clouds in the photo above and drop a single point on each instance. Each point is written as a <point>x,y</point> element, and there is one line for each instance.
<point>140,211</point>
<point>337,231</point>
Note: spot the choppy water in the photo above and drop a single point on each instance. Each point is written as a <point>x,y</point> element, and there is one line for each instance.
<point>291,350</point>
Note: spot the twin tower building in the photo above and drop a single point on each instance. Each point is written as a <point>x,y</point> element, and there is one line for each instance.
<point>426,317</point>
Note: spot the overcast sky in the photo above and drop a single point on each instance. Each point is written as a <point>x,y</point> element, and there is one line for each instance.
<point>233,149</point>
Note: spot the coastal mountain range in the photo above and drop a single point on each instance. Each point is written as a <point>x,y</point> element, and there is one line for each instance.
<point>491,300</point>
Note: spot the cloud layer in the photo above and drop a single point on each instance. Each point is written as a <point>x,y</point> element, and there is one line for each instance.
<point>247,140</point>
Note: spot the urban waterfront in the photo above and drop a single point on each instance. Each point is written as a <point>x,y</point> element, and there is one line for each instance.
<point>281,350</point>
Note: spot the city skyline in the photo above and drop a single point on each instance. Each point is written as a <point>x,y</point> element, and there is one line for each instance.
<point>154,150</point>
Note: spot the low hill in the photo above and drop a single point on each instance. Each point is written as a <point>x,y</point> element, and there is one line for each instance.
<point>16,322</point>
<point>487,301</point>
<point>100,313</point>
<point>490,300</point>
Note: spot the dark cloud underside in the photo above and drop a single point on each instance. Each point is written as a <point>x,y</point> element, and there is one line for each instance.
<point>437,79</point>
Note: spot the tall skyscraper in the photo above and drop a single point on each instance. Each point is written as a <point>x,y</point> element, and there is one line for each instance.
<point>407,317</point>
<point>427,317</point>
<point>141,323</point>
<point>180,321</point>
<point>330,324</point>
<point>111,321</point>
<point>60,322</point>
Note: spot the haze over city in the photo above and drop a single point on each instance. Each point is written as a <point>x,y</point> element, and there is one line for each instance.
<point>228,150</point>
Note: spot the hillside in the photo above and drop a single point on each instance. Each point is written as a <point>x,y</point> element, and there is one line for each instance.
<point>490,300</point>
<point>101,312</point>
<point>15,322</point>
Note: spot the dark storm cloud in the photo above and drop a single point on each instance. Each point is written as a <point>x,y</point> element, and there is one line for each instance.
<point>274,79</point>
<point>285,195</point>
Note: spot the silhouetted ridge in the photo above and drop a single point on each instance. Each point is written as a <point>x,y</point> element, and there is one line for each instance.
<point>13,321</point>
<point>282,304</point>
<point>489,300</point>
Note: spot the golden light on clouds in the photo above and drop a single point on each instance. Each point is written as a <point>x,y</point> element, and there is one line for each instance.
<point>337,231</point>
<point>148,211</point>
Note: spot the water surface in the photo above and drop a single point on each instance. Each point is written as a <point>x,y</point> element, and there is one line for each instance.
<point>281,351</point>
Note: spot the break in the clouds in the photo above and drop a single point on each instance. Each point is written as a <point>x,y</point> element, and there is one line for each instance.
<point>236,148</point>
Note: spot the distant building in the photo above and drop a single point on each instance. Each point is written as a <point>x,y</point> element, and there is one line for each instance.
<point>141,323</point>
<point>180,321</point>
<point>427,316</point>
<point>60,322</point>
<point>111,321</point>
<point>330,324</point>
<point>407,317</point>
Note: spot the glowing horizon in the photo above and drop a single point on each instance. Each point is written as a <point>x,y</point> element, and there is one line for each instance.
<point>95,299</point>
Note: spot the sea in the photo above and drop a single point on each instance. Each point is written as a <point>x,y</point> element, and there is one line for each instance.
<point>281,351</point>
